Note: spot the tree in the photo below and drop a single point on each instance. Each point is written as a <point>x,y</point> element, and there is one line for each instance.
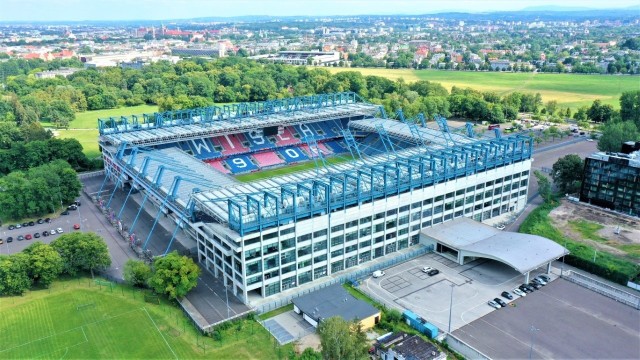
<point>581,114</point>
<point>600,113</point>
<point>45,264</point>
<point>82,251</point>
<point>551,107</point>
<point>567,173</point>
<point>630,106</point>
<point>14,276</point>
<point>615,133</point>
<point>136,273</point>
<point>340,339</point>
<point>544,186</point>
<point>174,275</point>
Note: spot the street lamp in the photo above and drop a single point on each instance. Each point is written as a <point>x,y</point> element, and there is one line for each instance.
<point>533,330</point>
<point>451,307</point>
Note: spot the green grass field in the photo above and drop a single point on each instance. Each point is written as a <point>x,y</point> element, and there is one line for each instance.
<point>290,169</point>
<point>572,90</point>
<point>79,320</point>
<point>85,126</point>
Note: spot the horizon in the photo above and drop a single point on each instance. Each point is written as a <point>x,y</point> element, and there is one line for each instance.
<point>151,10</point>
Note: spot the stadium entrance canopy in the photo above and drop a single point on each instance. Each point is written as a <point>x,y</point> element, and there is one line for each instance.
<point>464,240</point>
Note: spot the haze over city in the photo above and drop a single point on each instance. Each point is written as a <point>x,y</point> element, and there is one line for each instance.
<point>77,10</point>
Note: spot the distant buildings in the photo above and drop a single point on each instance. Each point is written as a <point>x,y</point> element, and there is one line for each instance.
<point>53,73</point>
<point>302,57</point>
<point>612,180</point>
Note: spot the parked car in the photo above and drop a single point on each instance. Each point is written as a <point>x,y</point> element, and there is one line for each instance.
<point>52,232</point>
<point>66,212</point>
<point>499,301</point>
<point>18,226</point>
<point>28,237</point>
<point>47,220</point>
<point>36,235</point>
<point>45,233</point>
<point>378,273</point>
<point>507,295</point>
<point>59,230</point>
<point>538,281</point>
<point>426,269</point>
<point>77,203</point>
<point>494,304</point>
<point>11,227</point>
<point>76,226</point>
<point>31,223</point>
<point>500,227</point>
<point>40,221</point>
<point>9,239</point>
<point>535,285</point>
<point>25,224</point>
<point>545,278</point>
<point>541,280</point>
<point>434,272</point>
<point>1,241</point>
<point>525,288</point>
<point>519,292</point>
<point>20,238</point>
<point>72,207</point>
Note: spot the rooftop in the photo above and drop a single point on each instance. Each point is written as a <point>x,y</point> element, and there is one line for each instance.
<point>333,301</point>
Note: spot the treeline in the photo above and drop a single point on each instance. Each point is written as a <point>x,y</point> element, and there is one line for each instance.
<point>38,191</point>
<point>199,82</point>
<point>40,264</point>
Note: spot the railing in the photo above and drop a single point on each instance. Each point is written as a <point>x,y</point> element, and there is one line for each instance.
<point>352,276</point>
<point>603,288</point>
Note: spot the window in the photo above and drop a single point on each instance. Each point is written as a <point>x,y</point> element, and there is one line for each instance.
<point>352,223</point>
<point>427,201</point>
<point>337,240</point>
<point>304,237</point>
<point>351,236</point>
<point>338,252</point>
<point>379,216</point>
<point>416,205</point>
<point>450,195</point>
<point>404,208</point>
<point>365,244</point>
<point>391,224</point>
<point>305,250</point>
<point>439,198</point>
<point>392,212</point>
<point>320,233</point>
<point>320,245</point>
<point>365,220</point>
<point>337,228</point>
<point>287,231</point>
<point>365,232</point>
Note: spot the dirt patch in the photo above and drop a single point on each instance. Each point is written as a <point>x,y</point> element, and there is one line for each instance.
<point>310,341</point>
<point>618,230</point>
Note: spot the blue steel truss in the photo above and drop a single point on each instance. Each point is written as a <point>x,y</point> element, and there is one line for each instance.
<point>367,183</point>
<point>315,153</point>
<point>233,112</point>
<point>386,141</point>
<point>352,144</point>
<point>444,127</point>
<point>470,132</point>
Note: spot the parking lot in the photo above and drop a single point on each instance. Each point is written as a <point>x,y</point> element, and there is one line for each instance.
<point>405,286</point>
<point>560,321</point>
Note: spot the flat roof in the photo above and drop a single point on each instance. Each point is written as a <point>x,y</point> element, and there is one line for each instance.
<point>333,301</point>
<point>523,252</point>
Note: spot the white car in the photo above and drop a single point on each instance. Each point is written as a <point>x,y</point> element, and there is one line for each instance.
<point>519,292</point>
<point>589,139</point>
<point>426,269</point>
<point>52,232</point>
<point>378,273</point>
<point>59,230</point>
<point>494,304</point>
<point>500,227</point>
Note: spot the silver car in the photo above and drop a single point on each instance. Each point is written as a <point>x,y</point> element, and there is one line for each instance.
<point>494,304</point>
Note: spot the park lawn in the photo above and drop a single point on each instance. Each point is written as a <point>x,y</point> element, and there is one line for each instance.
<point>572,90</point>
<point>265,174</point>
<point>87,138</point>
<point>77,319</point>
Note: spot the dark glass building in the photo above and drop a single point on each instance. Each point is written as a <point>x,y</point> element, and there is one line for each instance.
<point>612,181</point>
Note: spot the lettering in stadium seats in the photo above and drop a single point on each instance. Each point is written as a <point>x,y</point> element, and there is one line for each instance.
<point>306,130</point>
<point>283,137</point>
<point>199,145</point>
<point>229,141</point>
<point>256,137</point>
<point>292,153</point>
<point>239,163</point>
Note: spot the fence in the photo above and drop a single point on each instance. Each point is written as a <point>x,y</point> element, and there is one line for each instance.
<point>604,289</point>
<point>466,350</point>
<point>90,174</point>
<point>352,276</point>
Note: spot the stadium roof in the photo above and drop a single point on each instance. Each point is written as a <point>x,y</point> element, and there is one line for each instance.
<point>333,301</point>
<point>433,137</point>
<point>523,252</point>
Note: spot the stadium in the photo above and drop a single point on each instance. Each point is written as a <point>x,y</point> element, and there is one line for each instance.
<point>368,184</point>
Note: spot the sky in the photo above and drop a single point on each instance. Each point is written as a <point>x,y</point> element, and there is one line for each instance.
<point>78,10</point>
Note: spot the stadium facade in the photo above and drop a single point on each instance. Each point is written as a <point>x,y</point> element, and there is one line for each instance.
<point>377,182</point>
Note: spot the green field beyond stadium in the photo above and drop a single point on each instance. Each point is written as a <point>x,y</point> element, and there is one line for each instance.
<point>78,319</point>
<point>569,90</point>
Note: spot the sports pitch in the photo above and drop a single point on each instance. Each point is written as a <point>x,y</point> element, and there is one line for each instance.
<point>80,320</point>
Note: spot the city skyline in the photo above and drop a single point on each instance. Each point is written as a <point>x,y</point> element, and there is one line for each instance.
<point>106,10</point>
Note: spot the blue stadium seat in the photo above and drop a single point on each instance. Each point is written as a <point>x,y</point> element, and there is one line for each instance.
<point>327,127</point>
<point>337,146</point>
<point>293,155</point>
<point>258,141</point>
<point>184,145</point>
<point>240,164</point>
<point>203,149</point>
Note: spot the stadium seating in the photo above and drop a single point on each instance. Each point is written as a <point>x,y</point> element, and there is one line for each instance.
<point>257,141</point>
<point>323,149</point>
<point>231,144</point>
<point>287,137</point>
<point>293,155</point>
<point>338,147</point>
<point>203,149</point>
<point>304,130</point>
<point>240,164</point>
<point>328,128</point>
<point>267,158</point>
<point>217,164</point>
